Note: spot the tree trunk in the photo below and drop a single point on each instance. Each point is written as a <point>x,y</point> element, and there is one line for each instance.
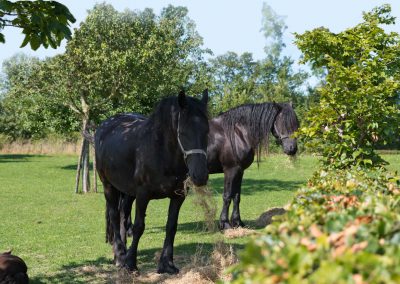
<point>85,166</point>
<point>84,161</point>
<point>94,170</point>
<point>78,169</point>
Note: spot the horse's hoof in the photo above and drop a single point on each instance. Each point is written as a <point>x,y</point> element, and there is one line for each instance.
<point>166,267</point>
<point>237,224</point>
<point>131,267</point>
<point>134,271</point>
<point>119,262</point>
<point>224,226</point>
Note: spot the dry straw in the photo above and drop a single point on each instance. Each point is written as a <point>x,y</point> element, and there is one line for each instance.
<point>200,268</point>
<point>203,198</point>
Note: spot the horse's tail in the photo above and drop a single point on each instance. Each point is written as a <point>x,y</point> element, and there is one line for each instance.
<point>109,228</point>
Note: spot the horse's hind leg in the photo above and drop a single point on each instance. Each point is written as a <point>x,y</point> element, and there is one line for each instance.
<point>112,196</point>
<point>229,176</point>
<point>166,264</point>
<point>137,230</point>
<point>126,202</point>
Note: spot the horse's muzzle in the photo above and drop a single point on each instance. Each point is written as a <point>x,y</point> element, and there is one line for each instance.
<point>198,171</point>
<point>291,150</point>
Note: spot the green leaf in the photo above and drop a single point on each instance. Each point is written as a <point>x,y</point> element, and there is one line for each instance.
<point>34,41</point>
<point>26,40</point>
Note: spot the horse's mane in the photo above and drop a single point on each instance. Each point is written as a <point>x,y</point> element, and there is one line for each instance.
<point>169,107</point>
<point>258,120</point>
<point>290,121</point>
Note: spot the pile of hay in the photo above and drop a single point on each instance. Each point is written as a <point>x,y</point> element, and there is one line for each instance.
<point>238,232</point>
<point>201,268</point>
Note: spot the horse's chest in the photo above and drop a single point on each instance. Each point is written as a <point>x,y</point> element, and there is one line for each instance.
<point>158,186</point>
<point>247,158</point>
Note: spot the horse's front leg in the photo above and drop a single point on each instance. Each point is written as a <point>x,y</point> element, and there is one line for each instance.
<point>137,230</point>
<point>166,264</point>
<point>236,190</point>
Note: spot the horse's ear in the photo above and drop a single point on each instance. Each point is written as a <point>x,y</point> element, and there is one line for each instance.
<point>204,99</point>
<point>182,99</point>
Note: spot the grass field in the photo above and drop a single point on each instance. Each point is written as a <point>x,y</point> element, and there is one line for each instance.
<point>61,236</point>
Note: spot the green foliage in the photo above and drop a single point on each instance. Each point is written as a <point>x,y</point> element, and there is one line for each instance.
<point>235,80</point>
<point>358,107</point>
<point>126,61</point>
<point>43,22</point>
<point>4,139</point>
<point>343,228</point>
<point>116,62</point>
<point>25,112</point>
<point>274,28</point>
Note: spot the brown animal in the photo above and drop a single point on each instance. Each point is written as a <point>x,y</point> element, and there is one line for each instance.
<point>12,269</point>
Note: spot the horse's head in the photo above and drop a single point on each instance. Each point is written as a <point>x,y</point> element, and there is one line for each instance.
<point>192,132</point>
<point>285,125</point>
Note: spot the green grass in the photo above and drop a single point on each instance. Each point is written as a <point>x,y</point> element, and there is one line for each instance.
<point>61,235</point>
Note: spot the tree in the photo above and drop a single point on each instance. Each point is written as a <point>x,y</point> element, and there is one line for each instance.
<point>118,62</point>
<point>241,79</point>
<point>26,112</point>
<point>234,80</point>
<point>43,22</point>
<point>278,80</point>
<point>359,99</point>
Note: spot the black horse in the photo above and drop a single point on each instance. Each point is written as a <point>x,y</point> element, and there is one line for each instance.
<point>236,136</point>
<point>149,159</point>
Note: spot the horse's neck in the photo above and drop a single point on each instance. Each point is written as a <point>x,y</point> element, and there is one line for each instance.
<point>163,139</point>
<point>246,127</point>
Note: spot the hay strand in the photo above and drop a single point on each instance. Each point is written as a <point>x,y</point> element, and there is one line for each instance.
<point>203,198</point>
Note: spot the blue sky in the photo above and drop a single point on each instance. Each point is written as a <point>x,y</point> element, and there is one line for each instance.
<point>231,25</point>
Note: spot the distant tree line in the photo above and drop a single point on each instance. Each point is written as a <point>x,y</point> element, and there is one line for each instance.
<point>126,61</point>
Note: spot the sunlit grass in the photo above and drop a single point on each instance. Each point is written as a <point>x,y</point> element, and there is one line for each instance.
<point>60,234</point>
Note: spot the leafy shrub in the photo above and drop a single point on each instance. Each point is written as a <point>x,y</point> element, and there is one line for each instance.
<point>362,69</point>
<point>343,228</point>
<point>4,139</point>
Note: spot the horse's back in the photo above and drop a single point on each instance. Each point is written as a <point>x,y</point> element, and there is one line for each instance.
<point>116,141</point>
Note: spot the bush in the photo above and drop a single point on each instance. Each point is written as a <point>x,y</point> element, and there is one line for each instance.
<point>343,228</point>
<point>4,139</point>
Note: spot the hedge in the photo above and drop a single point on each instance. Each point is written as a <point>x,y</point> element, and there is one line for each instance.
<point>344,227</point>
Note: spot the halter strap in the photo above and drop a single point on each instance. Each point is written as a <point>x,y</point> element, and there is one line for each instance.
<point>191,151</point>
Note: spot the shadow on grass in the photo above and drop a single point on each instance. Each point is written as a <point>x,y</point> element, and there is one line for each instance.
<point>13,158</point>
<point>73,167</point>
<point>252,186</point>
<point>199,227</point>
<point>102,270</point>
<point>87,271</point>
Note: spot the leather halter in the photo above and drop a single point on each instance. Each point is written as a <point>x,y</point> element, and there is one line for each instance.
<point>189,152</point>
